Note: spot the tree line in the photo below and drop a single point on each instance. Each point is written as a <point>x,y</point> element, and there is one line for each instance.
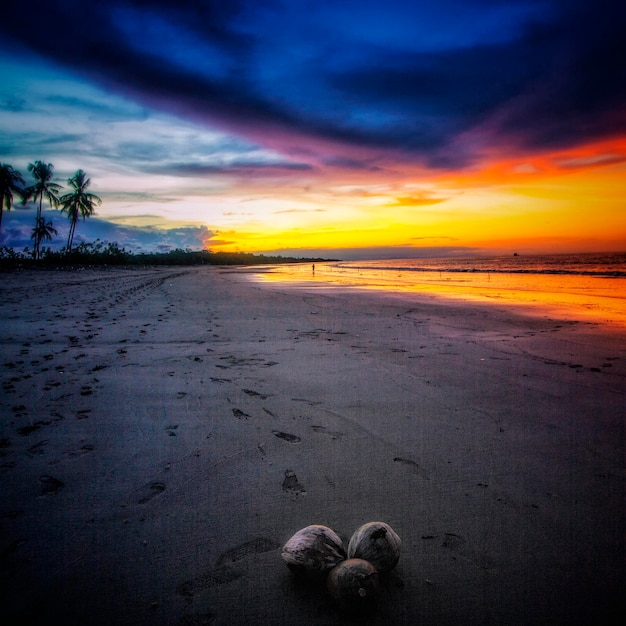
<point>77,202</point>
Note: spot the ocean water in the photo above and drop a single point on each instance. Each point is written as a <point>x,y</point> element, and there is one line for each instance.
<point>580,286</point>
<point>600,265</point>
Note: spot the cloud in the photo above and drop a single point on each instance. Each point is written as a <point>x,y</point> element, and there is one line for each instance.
<point>300,211</point>
<point>434,238</point>
<point>526,168</point>
<point>596,160</point>
<point>17,227</point>
<point>421,200</point>
<point>580,92</point>
<point>349,163</point>
<point>234,166</point>
<point>392,76</point>
<point>134,196</point>
<point>376,253</point>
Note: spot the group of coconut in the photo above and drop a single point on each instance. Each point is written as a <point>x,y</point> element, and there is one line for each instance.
<point>352,579</point>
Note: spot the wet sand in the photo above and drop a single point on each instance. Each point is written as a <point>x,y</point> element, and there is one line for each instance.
<point>164,431</point>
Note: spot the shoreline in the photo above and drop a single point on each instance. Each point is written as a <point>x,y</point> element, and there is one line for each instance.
<point>166,430</point>
<point>523,296</point>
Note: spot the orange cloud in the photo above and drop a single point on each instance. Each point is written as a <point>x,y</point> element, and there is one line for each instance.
<point>415,201</point>
<point>563,200</point>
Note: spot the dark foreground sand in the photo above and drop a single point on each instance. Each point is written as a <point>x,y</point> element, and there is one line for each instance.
<point>165,431</point>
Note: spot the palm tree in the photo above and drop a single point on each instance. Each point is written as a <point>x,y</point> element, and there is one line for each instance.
<point>78,202</point>
<point>11,182</point>
<point>43,231</point>
<point>42,173</point>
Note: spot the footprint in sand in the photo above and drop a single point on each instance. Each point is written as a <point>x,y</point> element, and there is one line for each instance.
<point>457,544</point>
<point>288,437</point>
<point>333,434</point>
<point>415,468</point>
<point>291,484</point>
<point>213,578</point>
<point>251,392</point>
<point>38,448</point>
<point>74,454</point>
<point>223,572</point>
<point>240,415</point>
<point>452,541</point>
<point>19,410</point>
<point>152,490</point>
<point>255,546</point>
<point>201,619</point>
<point>27,430</point>
<point>50,485</point>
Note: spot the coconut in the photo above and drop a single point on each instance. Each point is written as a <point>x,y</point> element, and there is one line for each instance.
<point>377,543</point>
<point>313,551</point>
<point>354,585</point>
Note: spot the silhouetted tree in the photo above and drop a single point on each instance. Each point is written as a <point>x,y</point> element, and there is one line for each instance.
<point>43,231</point>
<point>42,173</point>
<point>11,182</point>
<point>78,202</point>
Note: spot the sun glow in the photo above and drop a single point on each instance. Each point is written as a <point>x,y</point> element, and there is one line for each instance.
<point>583,297</point>
<point>558,202</point>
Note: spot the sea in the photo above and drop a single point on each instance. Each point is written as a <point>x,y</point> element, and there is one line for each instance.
<point>590,286</point>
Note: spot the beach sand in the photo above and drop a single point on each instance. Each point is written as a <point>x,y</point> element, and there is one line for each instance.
<point>165,430</point>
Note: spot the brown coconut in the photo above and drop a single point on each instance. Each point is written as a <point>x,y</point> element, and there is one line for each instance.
<point>377,543</point>
<point>313,551</point>
<point>354,585</point>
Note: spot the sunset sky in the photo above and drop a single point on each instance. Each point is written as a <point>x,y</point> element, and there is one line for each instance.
<point>344,128</point>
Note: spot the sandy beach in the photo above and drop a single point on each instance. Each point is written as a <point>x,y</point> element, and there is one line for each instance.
<point>164,432</point>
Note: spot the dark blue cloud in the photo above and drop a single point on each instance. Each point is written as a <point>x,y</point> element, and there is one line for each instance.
<point>17,226</point>
<point>236,166</point>
<point>399,74</point>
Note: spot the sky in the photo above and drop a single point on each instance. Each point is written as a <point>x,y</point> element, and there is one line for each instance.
<point>338,128</point>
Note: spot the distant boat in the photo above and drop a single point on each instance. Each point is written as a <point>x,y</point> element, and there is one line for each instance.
<point>515,254</point>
